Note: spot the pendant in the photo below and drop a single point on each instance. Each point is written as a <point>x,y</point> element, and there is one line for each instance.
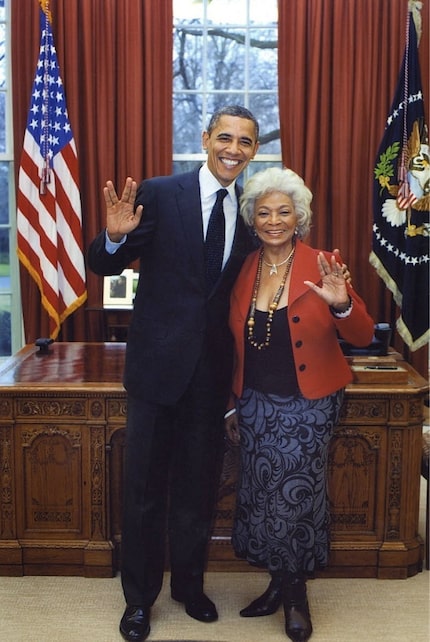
<point>273,270</point>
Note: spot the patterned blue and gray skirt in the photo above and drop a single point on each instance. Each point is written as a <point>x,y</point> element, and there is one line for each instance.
<point>282,515</point>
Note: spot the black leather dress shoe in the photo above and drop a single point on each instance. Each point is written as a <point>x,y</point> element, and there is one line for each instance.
<point>267,603</point>
<point>134,625</point>
<point>198,606</point>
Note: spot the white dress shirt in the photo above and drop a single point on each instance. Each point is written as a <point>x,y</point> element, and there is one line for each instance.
<point>208,189</point>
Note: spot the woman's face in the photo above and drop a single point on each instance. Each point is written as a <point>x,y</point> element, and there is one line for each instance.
<point>275,220</point>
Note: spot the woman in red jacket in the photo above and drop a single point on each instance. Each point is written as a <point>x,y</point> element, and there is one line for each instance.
<point>289,306</point>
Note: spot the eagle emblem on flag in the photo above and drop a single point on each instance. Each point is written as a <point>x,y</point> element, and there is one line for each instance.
<point>413,188</point>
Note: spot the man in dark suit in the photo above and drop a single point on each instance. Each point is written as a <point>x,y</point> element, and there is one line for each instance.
<point>178,363</point>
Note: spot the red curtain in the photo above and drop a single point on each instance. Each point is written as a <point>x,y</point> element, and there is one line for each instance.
<point>115,62</point>
<point>339,63</point>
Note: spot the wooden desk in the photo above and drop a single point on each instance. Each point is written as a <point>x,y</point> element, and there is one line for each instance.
<point>62,419</point>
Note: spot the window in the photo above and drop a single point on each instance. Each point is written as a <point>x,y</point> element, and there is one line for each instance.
<point>224,52</point>
<point>10,311</point>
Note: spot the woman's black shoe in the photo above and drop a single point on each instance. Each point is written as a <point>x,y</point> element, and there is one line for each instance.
<point>298,624</point>
<point>267,603</point>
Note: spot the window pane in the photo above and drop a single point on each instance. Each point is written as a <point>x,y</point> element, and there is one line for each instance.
<point>4,260</point>
<point>2,121</point>
<point>263,11</point>
<point>263,59</point>
<point>4,193</point>
<point>187,10</point>
<point>5,325</point>
<point>227,11</point>
<point>226,59</point>
<point>266,106</point>
<point>187,122</point>
<point>187,59</point>
<point>2,54</point>
<point>216,101</point>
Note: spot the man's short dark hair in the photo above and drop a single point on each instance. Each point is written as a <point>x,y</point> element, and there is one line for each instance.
<point>233,110</point>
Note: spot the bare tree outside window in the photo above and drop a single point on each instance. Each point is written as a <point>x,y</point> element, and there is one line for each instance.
<point>224,52</point>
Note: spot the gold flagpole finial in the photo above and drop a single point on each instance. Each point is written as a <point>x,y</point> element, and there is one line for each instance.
<point>44,5</point>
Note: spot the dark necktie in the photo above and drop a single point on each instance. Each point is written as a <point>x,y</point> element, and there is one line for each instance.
<point>215,237</point>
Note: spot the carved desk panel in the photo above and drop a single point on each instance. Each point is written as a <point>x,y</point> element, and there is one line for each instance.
<point>62,426</point>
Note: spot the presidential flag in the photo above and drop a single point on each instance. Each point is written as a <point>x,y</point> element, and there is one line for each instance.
<point>401,200</point>
<point>49,221</point>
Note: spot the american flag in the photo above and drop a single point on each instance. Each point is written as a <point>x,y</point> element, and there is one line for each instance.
<point>49,220</point>
<point>401,200</point>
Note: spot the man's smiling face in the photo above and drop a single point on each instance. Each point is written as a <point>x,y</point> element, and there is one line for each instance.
<point>230,146</point>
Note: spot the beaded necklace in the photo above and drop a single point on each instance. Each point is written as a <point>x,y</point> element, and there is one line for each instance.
<point>272,307</point>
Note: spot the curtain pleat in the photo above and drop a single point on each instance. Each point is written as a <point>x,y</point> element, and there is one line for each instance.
<point>339,63</point>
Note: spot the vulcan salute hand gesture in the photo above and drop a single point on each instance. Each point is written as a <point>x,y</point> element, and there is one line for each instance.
<point>333,288</point>
<point>121,219</point>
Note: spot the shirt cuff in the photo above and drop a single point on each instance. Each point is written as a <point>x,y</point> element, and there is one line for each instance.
<point>110,246</point>
<point>229,413</point>
<point>344,314</point>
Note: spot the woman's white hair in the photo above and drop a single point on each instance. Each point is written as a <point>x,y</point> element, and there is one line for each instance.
<point>275,179</point>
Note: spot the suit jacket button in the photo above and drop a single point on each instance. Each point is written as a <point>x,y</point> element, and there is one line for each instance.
<point>302,367</point>
<point>299,344</point>
<point>295,319</point>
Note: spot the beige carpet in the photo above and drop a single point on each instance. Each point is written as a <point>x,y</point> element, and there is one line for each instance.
<point>48,609</point>
<point>57,609</point>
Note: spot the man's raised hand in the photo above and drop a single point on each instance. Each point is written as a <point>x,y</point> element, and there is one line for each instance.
<point>121,219</point>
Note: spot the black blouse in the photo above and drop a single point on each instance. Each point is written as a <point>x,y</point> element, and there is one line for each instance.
<point>271,370</point>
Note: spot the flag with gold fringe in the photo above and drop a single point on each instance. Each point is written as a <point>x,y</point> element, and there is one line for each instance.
<point>49,220</point>
<point>401,199</point>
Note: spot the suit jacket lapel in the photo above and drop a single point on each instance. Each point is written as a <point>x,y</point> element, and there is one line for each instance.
<point>190,212</point>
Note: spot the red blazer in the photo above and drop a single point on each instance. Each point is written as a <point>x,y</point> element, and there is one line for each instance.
<point>320,364</point>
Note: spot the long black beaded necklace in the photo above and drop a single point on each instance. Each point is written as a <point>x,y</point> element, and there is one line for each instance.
<point>272,307</point>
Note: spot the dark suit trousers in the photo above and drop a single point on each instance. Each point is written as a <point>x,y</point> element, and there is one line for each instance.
<point>171,473</point>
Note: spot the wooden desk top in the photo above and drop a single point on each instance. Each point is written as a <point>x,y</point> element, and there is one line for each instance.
<point>65,365</point>
<point>100,366</point>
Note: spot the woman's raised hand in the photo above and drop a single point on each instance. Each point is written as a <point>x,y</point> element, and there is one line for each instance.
<point>333,289</point>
